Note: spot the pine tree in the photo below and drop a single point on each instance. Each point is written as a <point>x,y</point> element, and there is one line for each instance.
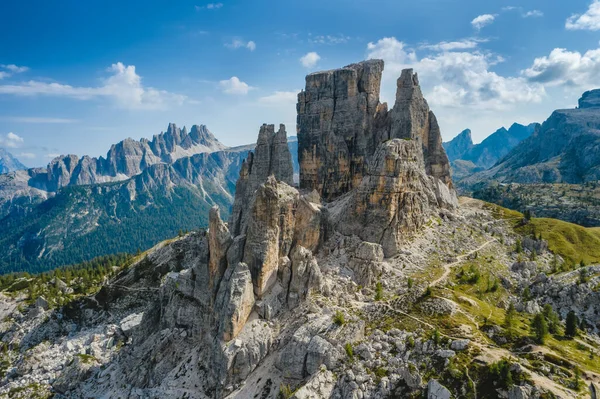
<point>571,325</point>
<point>540,328</point>
<point>509,319</point>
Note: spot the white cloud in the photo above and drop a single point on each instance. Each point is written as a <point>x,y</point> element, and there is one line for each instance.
<point>34,119</point>
<point>237,43</point>
<point>52,155</point>
<point>11,69</point>
<point>309,60</point>
<point>27,155</point>
<point>533,14</point>
<point>510,8</point>
<point>463,44</point>
<point>11,140</point>
<point>391,50</point>
<point>329,39</point>
<point>234,85</point>
<point>123,86</point>
<point>590,20</point>
<point>209,6</point>
<point>566,68</point>
<point>281,97</point>
<point>483,20</point>
<point>456,79</point>
<point>15,69</point>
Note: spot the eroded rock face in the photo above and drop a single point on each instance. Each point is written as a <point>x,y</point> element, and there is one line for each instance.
<point>219,241</point>
<point>235,301</point>
<point>270,232</point>
<point>341,124</point>
<point>271,157</point>
<point>394,199</point>
<point>412,119</point>
<point>336,120</point>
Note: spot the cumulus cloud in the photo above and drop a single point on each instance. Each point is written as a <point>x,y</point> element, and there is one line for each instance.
<point>483,20</point>
<point>566,68</point>
<point>590,20</point>
<point>123,86</point>
<point>237,43</point>
<point>280,97</point>
<point>309,60</point>
<point>235,86</point>
<point>456,79</point>
<point>11,140</point>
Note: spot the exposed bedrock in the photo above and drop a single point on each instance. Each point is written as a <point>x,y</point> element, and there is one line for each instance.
<point>341,123</point>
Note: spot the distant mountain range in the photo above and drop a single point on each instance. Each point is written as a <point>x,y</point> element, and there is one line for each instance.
<point>467,158</point>
<point>8,162</point>
<point>553,173</point>
<point>565,149</point>
<point>141,193</point>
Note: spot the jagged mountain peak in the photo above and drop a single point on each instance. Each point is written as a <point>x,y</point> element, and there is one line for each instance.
<point>8,162</point>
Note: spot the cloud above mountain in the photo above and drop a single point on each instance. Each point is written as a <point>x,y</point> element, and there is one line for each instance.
<point>123,87</point>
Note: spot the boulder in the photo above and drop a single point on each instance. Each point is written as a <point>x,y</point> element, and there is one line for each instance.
<point>435,390</point>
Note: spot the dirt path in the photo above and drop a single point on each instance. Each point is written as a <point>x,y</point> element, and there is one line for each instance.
<point>448,267</point>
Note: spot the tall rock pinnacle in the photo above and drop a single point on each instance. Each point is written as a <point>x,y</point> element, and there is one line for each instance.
<point>412,119</point>
<point>271,157</point>
<point>341,122</point>
<point>336,119</point>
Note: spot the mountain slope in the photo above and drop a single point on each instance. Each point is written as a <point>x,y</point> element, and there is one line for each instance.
<point>566,149</point>
<point>8,163</point>
<point>468,158</point>
<point>82,222</point>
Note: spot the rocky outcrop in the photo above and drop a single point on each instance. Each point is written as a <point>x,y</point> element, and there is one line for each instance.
<point>394,199</point>
<point>341,123</point>
<point>412,119</point>
<point>270,232</point>
<point>590,99</point>
<point>336,124</point>
<point>8,163</point>
<point>219,241</point>
<point>235,301</point>
<point>271,157</point>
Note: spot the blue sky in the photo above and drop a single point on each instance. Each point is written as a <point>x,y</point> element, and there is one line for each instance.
<point>77,76</point>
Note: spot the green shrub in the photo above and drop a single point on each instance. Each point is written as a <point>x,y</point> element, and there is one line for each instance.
<point>349,351</point>
<point>378,291</point>
<point>339,318</point>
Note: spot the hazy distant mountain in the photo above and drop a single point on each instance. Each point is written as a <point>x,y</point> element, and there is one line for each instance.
<point>8,163</point>
<point>477,157</point>
<point>141,193</point>
<point>566,149</point>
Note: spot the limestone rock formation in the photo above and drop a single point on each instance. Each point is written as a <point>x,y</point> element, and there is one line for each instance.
<point>336,120</point>
<point>412,119</point>
<point>590,99</point>
<point>394,199</point>
<point>271,157</point>
<point>341,123</point>
<point>219,241</point>
<point>270,232</point>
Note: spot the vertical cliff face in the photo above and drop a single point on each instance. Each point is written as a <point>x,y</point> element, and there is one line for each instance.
<point>341,123</point>
<point>336,118</point>
<point>412,119</point>
<point>271,157</point>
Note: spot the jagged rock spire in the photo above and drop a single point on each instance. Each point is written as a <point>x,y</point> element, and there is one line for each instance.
<point>271,157</point>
